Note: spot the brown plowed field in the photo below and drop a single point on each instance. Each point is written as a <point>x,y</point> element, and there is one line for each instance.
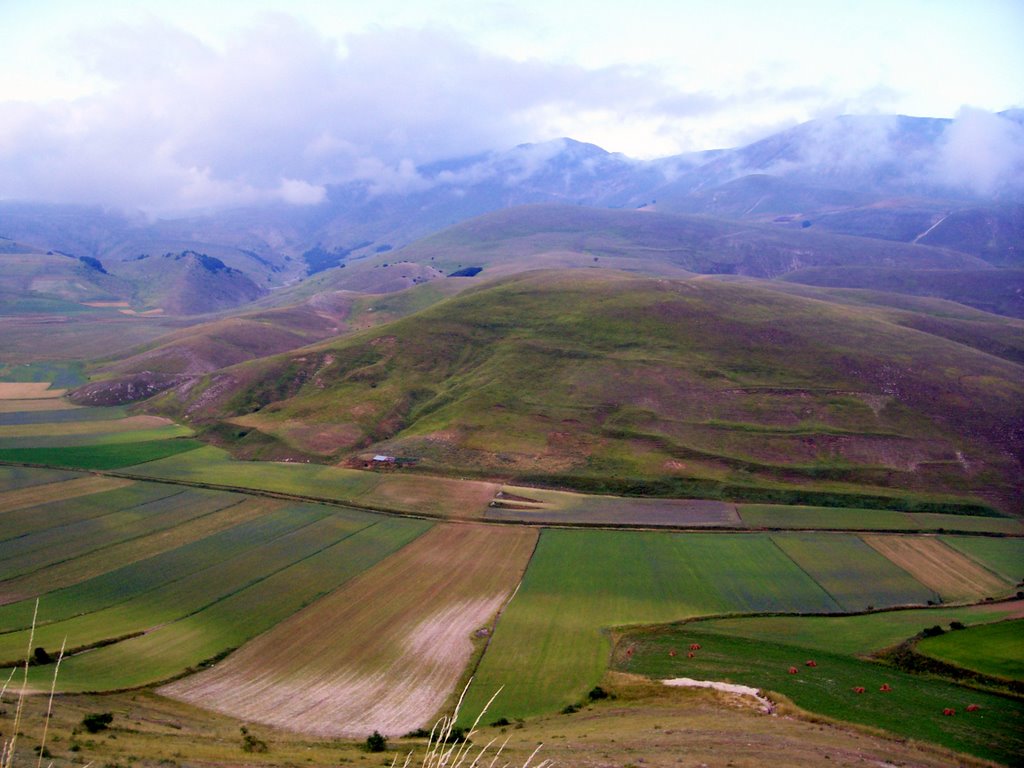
<point>68,489</point>
<point>941,568</point>
<point>385,651</point>
<point>28,390</point>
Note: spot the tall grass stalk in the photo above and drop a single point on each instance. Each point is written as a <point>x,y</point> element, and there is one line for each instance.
<point>8,747</point>
<point>445,752</point>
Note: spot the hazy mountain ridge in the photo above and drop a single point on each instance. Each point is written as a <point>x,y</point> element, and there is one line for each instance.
<point>811,175</point>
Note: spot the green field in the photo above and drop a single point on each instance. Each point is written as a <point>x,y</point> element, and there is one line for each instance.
<point>33,552</point>
<point>994,649</point>
<point>214,466</point>
<point>839,518</point>
<point>1002,556</point>
<point>852,635</point>
<point>549,647</point>
<point>913,709</point>
<point>12,478</point>
<point>854,574</point>
<point>96,439</point>
<point>61,416</point>
<point>100,457</point>
<point>274,590</point>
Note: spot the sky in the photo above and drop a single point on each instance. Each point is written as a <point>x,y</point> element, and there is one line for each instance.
<point>180,106</point>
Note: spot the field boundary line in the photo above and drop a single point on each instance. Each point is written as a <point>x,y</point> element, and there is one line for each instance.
<point>805,572</point>
<point>581,525</point>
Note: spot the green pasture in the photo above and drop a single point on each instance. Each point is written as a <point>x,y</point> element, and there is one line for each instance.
<point>214,466</point>
<point>993,649</point>
<point>550,646</point>
<point>101,457</point>
<point>1002,556</point>
<point>12,478</point>
<point>852,635</point>
<point>271,594</point>
<point>914,708</point>
<point>856,576</point>
<point>311,528</point>
<point>35,551</point>
<point>840,518</point>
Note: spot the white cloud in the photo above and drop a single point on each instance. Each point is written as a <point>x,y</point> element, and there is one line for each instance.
<point>981,152</point>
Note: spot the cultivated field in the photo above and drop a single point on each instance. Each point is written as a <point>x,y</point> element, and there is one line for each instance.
<point>61,490</point>
<point>382,653</point>
<point>946,571</point>
<point>837,518</point>
<point>855,635</point>
<point>856,576</point>
<point>221,607</point>
<point>559,507</point>
<point>549,647</point>
<point>29,390</point>
<point>100,561</point>
<point>1002,556</point>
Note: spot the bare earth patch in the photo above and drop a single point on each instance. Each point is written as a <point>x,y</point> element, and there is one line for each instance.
<point>384,652</point>
<point>28,390</point>
<point>741,690</point>
<point>67,489</point>
<point>941,568</point>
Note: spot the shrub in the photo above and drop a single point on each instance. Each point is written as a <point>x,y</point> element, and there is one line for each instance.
<point>375,742</point>
<point>597,692</point>
<point>250,743</point>
<point>933,631</point>
<point>97,721</point>
<point>956,625</point>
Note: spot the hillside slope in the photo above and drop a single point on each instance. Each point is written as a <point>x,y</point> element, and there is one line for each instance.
<point>612,382</point>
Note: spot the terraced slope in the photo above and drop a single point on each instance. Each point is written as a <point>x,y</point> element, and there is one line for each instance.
<point>632,385</point>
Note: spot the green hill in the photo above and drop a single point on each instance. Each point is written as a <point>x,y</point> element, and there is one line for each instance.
<point>610,382</point>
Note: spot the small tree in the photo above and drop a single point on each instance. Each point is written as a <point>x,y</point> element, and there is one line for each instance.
<point>375,742</point>
<point>97,721</point>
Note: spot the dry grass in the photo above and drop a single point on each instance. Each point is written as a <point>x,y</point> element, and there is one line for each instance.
<point>941,568</point>
<point>67,489</point>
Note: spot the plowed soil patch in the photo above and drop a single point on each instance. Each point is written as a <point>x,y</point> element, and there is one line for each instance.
<point>383,652</point>
<point>941,568</point>
<point>69,489</point>
<point>28,390</point>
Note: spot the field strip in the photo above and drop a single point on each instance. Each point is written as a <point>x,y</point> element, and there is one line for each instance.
<point>383,652</point>
<point>856,575</point>
<point>1002,556</point>
<point>19,524</point>
<point>13,478</point>
<point>443,496</point>
<point>89,427</point>
<point>34,406</point>
<point>96,563</point>
<point>68,489</point>
<point>159,573</point>
<point>29,390</point>
<point>310,531</point>
<point>169,649</point>
<point>45,548</point>
<point>939,567</point>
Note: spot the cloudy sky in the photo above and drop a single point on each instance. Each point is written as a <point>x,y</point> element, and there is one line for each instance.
<point>176,106</point>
